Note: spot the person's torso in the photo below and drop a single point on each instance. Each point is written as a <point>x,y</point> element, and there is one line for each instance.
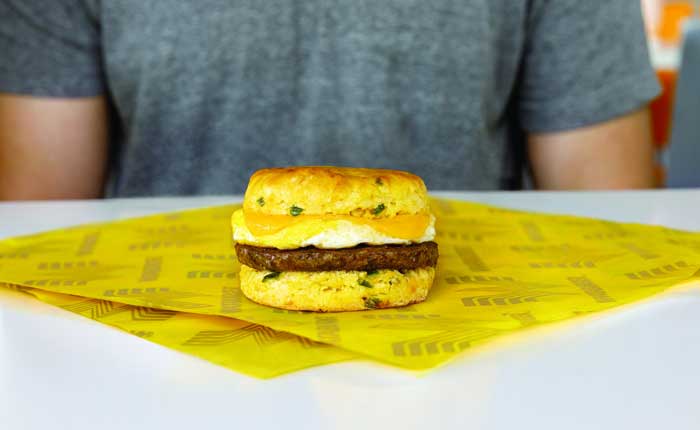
<point>208,91</point>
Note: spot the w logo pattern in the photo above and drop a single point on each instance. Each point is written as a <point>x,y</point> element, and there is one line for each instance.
<point>96,309</point>
<point>502,300</point>
<point>657,272</point>
<point>443,343</point>
<point>262,335</point>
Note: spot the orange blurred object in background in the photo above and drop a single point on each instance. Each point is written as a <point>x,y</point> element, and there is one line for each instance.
<point>668,32</point>
<point>662,107</point>
<point>673,13</point>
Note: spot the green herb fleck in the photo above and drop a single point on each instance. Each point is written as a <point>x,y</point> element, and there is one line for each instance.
<point>372,272</point>
<point>379,209</point>
<point>365,283</point>
<point>372,302</point>
<point>271,275</point>
<point>295,210</point>
<point>379,181</point>
<point>261,201</point>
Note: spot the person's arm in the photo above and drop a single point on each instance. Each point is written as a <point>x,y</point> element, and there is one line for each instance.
<point>52,148</point>
<point>616,154</point>
<point>582,99</point>
<point>53,116</point>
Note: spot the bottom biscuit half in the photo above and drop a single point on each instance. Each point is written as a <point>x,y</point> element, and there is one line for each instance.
<point>337,291</point>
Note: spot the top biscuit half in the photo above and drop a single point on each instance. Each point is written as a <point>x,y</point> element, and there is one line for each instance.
<point>358,192</point>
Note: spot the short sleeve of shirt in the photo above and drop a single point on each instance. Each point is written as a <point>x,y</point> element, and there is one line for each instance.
<point>49,48</point>
<point>585,62</point>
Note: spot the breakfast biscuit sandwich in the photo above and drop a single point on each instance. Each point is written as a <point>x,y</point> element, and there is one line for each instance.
<point>335,239</point>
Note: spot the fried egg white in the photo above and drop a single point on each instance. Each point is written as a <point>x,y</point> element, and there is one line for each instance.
<point>324,234</point>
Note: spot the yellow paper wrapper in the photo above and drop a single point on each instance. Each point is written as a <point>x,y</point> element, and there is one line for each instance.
<point>238,345</point>
<point>500,271</point>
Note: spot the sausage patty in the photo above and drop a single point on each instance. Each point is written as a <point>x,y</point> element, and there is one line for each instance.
<point>362,257</point>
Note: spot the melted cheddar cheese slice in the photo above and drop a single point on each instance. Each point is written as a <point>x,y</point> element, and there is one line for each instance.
<point>329,231</point>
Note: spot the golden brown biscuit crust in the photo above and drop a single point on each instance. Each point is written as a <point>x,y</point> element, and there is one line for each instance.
<point>370,193</point>
<point>336,291</point>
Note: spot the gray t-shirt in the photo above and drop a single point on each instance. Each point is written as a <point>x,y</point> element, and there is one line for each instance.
<point>205,92</point>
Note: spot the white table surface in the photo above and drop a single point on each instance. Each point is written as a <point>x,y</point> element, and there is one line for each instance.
<point>635,369</point>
